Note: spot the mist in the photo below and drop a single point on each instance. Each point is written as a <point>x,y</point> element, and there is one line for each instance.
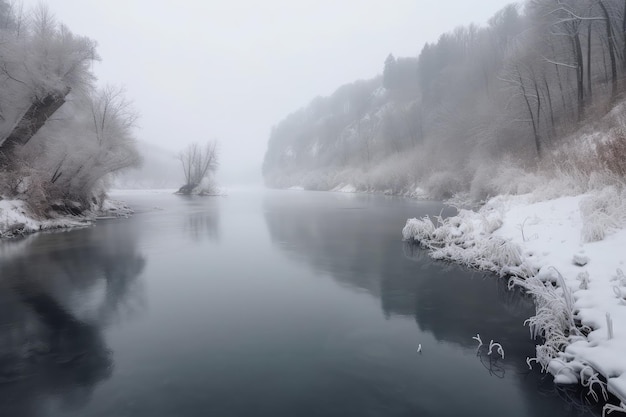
<point>476,113</point>
<point>231,70</point>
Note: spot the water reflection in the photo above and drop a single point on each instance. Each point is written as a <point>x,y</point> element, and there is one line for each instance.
<point>57,293</point>
<point>202,220</point>
<point>443,298</point>
<point>447,300</point>
<point>359,246</point>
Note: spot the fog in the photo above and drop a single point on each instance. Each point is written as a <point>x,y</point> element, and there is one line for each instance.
<point>199,70</point>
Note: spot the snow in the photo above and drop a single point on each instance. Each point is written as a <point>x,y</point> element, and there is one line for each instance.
<point>17,220</point>
<point>568,253</point>
<point>344,188</point>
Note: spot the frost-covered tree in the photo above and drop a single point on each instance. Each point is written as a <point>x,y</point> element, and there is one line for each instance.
<point>199,162</point>
<point>40,64</point>
<point>516,88</point>
<point>45,70</point>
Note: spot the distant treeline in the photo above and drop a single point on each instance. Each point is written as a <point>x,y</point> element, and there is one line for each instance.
<point>512,89</point>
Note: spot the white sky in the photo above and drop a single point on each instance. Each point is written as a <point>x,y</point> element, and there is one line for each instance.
<point>231,69</point>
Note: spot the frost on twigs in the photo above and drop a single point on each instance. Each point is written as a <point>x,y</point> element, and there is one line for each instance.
<point>589,379</point>
<point>498,347</point>
<point>478,339</point>
<point>489,361</point>
<point>609,408</point>
<point>553,321</point>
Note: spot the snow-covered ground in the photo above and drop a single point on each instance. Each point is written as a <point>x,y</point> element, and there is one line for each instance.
<point>570,253</point>
<point>345,188</point>
<point>16,219</point>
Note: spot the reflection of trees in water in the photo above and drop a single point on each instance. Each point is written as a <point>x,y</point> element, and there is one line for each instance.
<point>203,221</point>
<point>203,225</point>
<point>362,250</point>
<point>576,401</point>
<point>57,293</point>
<point>335,240</point>
<point>453,287</point>
<point>455,304</point>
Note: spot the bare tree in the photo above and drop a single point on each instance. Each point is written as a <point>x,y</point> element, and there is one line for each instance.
<point>198,163</point>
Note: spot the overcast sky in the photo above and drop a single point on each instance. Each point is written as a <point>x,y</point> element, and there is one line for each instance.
<point>230,70</point>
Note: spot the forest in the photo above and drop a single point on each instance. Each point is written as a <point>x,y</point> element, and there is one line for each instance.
<point>61,137</point>
<point>535,93</point>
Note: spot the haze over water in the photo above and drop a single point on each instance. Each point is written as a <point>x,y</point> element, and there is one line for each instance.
<point>259,303</point>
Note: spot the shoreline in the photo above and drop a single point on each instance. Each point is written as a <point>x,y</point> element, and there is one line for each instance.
<point>565,252</point>
<point>16,220</point>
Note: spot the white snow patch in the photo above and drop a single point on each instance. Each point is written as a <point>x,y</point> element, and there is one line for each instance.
<point>344,188</point>
<point>569,254</point>
<point>17,220</point>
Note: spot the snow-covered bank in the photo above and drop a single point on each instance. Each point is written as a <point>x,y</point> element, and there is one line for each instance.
<point>17,220</point>
<point>569,254</point>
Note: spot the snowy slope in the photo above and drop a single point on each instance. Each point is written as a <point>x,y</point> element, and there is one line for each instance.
<point>569,253</point>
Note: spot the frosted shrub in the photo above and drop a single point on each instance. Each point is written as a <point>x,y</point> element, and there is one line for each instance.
<point>511,179</point>
<point>482,185</point>
<point>602,212</point>
<point>418,230</point>
<point>554,319</point>
<point>589,379</point>
<point>491,222</point>
<point>502,252</point>
<point>460,238</point>
<point>444,184</point>
<point>612,152</point>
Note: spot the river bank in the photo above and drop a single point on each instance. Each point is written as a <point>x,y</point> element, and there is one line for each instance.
<point>568,253</point>
<point>16,218</point>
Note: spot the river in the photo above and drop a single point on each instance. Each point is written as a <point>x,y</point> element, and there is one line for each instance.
<point>261,303</point>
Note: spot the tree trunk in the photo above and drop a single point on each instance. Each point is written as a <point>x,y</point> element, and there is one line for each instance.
<point>611,41</point>
<point>558,77</point>
<point>580,76</point>
<point>589,61</point>
<point>532,116</point>
<point>549,96</point>
<point>30,123</point>
<point>624,35</point>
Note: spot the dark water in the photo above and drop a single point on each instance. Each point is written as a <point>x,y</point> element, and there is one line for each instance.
<point>259,304</point>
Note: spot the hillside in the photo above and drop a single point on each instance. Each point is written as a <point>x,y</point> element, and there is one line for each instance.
<point>510,94</point>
